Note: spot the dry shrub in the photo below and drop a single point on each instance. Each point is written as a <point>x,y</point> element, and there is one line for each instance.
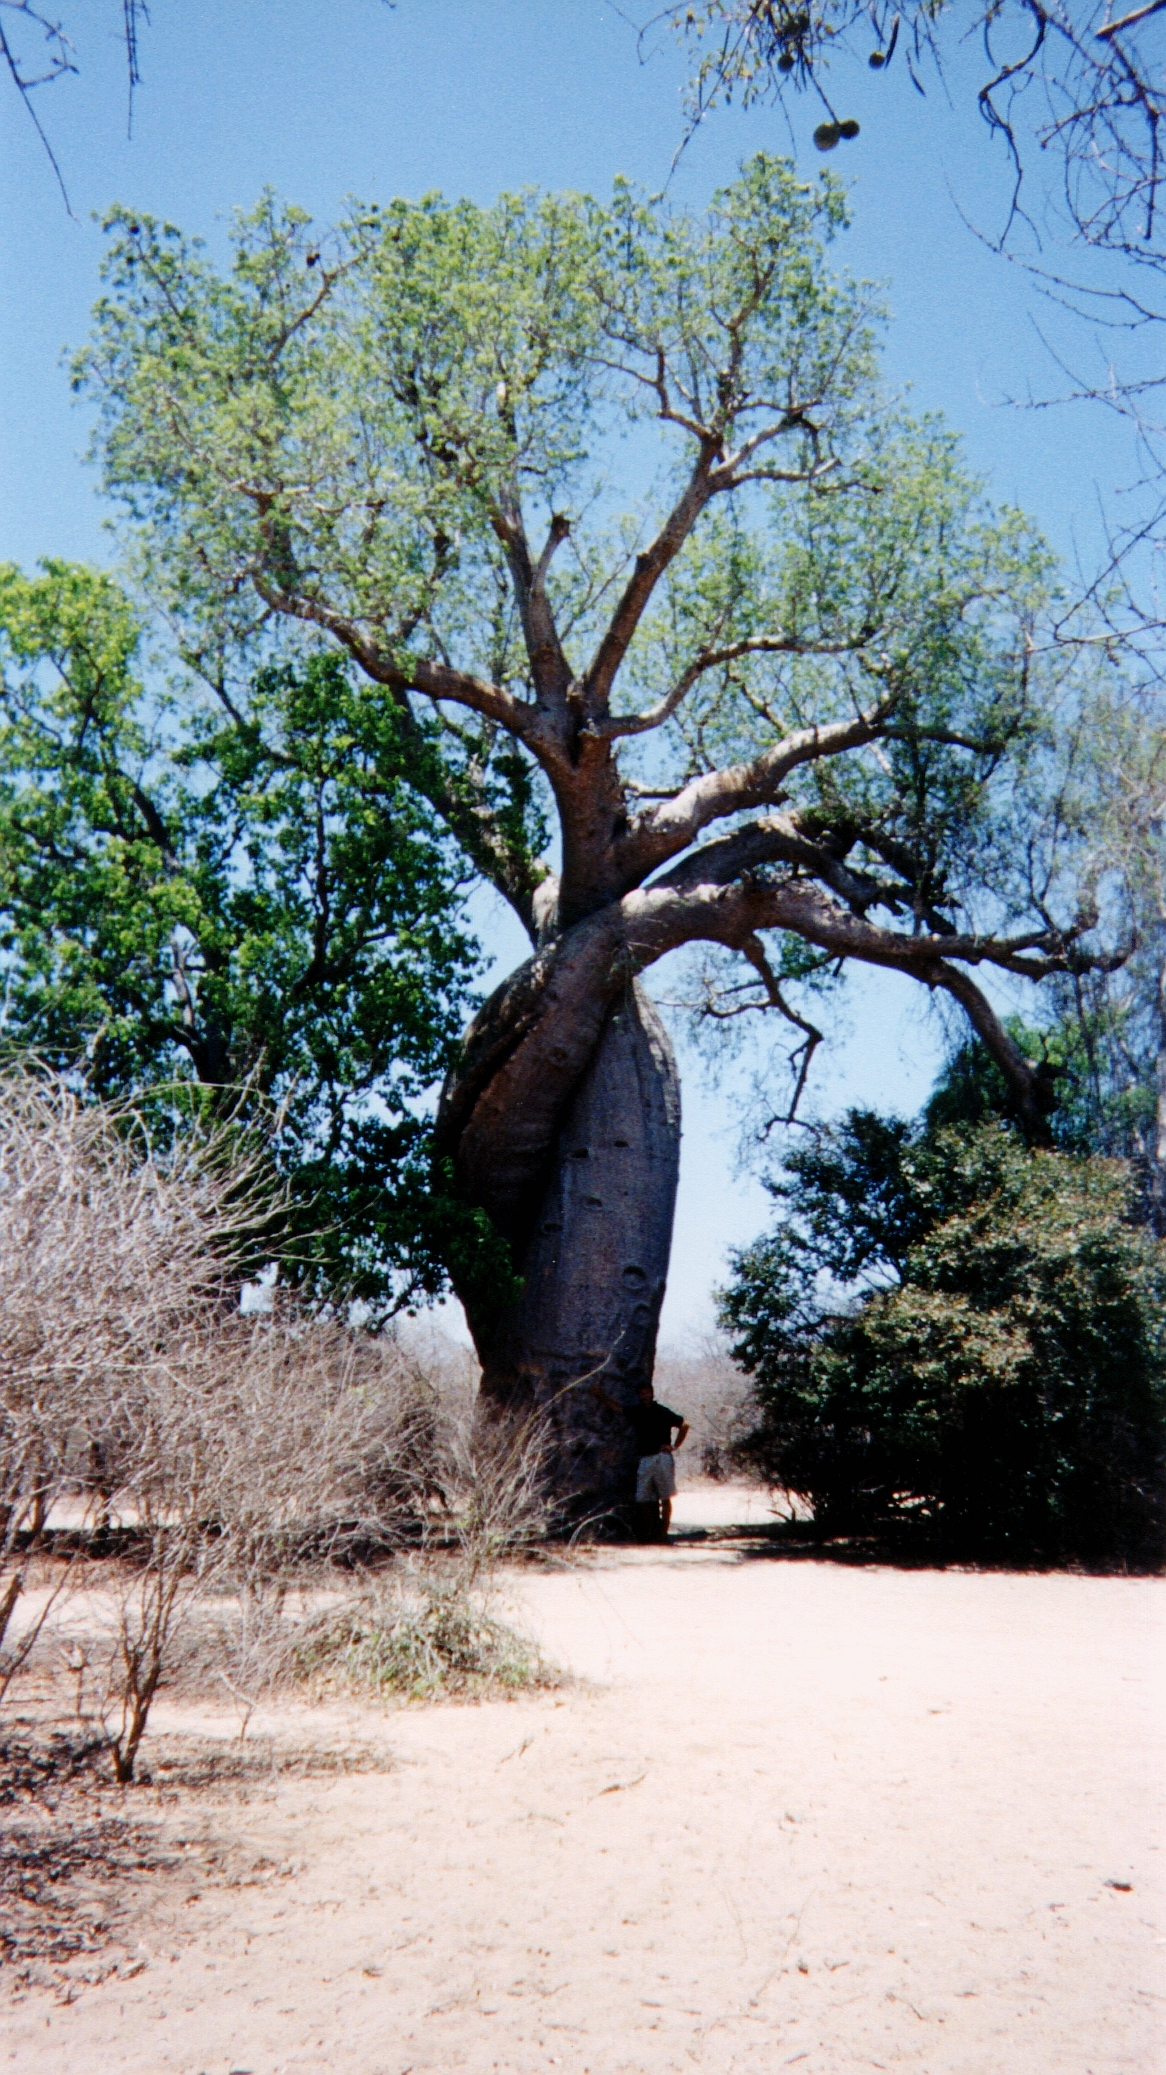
<point>492,1474</point>
<point>231,1461</point>
<point>255,1446</point>
<point>268,1457</point>
<point>103,1255</point>
<point>715,1398</point>
<point>495,1489</point>
<point>391,1463</point>
<point>49,1348</point>
<point>421,1638</point>
<point>267,1453</point>
<point>110,1260</point>
<point>324,1441</point>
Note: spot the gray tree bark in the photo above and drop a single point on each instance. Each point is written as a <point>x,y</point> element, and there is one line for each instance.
<point>594,1263</point>
<point>562,1122</point>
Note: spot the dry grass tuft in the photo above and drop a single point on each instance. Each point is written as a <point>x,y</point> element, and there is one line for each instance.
<point>427,1641</point>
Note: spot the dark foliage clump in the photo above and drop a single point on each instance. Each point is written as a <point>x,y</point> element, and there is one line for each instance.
<point>960,1340</point>
<point>238,909</point>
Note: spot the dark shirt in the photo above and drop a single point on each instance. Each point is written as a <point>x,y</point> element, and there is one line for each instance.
<point>652,1425</point>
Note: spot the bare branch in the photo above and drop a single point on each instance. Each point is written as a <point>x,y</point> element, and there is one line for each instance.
<point>754,950</point>
<point>60,61</point>
<point>731,910</point>
<point>1138,14</point>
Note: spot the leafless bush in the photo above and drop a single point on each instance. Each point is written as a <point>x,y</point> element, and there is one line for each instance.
<point>103,1251</point>
<point>233,1460</point>
<point>273,1461</point>
<point>449,1365</point>
<point>391,1460</point>
<point>262,1452</point>
<point>713,1394</point>
<point>325,1441</point>
<point>495,1489</point>
<point>493,1474</point>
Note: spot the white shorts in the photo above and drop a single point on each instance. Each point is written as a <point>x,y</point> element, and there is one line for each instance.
<point>655,1477</point>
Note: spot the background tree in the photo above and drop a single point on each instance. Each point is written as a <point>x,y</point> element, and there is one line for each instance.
<point>1102,1037</point>
<point>247,898</point>
<point>37,49</point>
<point>950,1332</point>
<point>1070,77</point>
<point>792,688</point>
<point>1070,88</point>
<point>1121,1018</point>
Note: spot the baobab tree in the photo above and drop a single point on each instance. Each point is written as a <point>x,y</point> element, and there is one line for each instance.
<point>783,702</point>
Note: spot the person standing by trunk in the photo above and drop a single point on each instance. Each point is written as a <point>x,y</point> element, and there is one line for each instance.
<point>653,1425</point>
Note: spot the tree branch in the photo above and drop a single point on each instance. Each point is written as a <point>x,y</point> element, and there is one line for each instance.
<point>532,1041</point>
<point>434,680</point>
<point>548,664</point>
<point>617,725</point>
<point>470,819</point>
<point>60,61</point>
<point>1033,1085</point>
<point>754,950</point>
<point>664,831</point>
<point>649,567</point>
<point>733,914</point>
<point>1128,21</point>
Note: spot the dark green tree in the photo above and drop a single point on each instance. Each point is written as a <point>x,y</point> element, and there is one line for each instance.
<point>235,898</point>
<point>1095,1060</point>
<point>952,1333</point>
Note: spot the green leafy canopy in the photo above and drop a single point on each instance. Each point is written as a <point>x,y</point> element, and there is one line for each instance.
<point>347,428</point>
<point>251,899</point>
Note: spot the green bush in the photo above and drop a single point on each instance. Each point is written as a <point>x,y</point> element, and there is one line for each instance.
<point>950,1331</point>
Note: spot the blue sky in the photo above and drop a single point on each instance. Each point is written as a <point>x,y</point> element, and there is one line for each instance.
<point>325,98</point>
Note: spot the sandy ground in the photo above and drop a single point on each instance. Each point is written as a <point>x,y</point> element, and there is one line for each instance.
<point>792,1815</point>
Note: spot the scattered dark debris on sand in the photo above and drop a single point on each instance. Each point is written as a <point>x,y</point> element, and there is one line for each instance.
<point>87,1866</point>
<point>68,1864</point>
<point>40,1767</point>
<point>65,1917</point>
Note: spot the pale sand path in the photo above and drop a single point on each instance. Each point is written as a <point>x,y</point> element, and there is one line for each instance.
<point>805,1817</point>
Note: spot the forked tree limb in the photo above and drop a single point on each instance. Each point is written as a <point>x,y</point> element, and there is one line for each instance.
<point>531,1043</point>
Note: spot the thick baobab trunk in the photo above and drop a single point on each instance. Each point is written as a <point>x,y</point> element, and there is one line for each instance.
<point>594,1260</point>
